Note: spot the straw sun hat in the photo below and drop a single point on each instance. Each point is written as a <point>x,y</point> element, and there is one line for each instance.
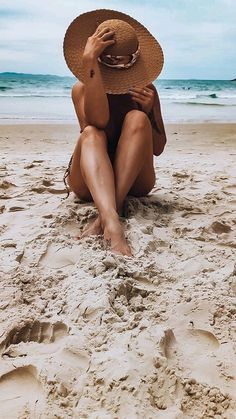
<point>132,38</point>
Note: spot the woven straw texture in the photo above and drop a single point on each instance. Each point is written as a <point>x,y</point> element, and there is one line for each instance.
<point>116,81</point>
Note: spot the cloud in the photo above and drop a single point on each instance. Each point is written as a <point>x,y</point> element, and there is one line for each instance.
<point>6,13</point>
<point>197,37</point>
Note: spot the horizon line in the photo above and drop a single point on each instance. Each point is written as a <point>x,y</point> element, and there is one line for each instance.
<point>60,76</point>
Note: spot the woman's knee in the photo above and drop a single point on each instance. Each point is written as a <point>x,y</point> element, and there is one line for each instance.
<point>92,135</point>
<point>137,121</point>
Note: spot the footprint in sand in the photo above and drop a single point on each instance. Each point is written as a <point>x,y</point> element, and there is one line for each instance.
<point>220,227</point>
<point>16,208</point>
<point>181,175</point>
<point>42,189</point>
<point>21,387</point>
<point>194,350</point>
<point>6,185</point>
<point>203,338</point>
<point>168,344</point>
<point>58,256</point>
<point>47,185</point>
<point>7,188</point>
<point>29,166</point>
<point>47,182</point>
<point>21,393</point>
<point>230,189</point>
<point>56,191</point>
<point>17,341</point>
<point>198,340</point>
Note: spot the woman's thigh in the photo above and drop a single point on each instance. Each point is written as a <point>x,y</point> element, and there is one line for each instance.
<point>136,127</point>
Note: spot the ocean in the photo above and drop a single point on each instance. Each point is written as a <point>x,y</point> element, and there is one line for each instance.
<point>47,98</point>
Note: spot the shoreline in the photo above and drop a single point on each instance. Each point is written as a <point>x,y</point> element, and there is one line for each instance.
<point>20,121</point>
<point>75,123</point>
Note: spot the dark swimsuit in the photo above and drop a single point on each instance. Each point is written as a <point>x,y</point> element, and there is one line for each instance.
<point>119,106</point>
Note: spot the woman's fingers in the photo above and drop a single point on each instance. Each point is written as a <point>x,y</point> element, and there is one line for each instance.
<point>100,32</point>
<point>144,96</point>
<point>109,42</point>
<point>136,94</point>
<point>149,91</point>
<point>96,32</point>
<point>108,35</point>
<point>142,91</point>
<point>103,32</point>
<point>140,96</point>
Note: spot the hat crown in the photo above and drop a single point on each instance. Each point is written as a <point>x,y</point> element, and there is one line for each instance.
<point>125,36</point>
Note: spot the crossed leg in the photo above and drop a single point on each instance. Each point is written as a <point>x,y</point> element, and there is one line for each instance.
<point>92,176</point>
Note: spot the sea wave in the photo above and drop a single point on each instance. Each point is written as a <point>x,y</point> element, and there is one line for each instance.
<point>212,95</point>
<point>204,103</point>
<point>29,95</point>
<point>4,88</point>
<point>37,117</point>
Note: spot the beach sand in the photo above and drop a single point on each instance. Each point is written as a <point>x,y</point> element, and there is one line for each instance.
<point>86,334</point>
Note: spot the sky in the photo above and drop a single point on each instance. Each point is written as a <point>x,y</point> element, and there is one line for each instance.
<point>198,37</point>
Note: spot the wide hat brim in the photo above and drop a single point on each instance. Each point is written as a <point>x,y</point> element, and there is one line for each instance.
<point>116,81</point>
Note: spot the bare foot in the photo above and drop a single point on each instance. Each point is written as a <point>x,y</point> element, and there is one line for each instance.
<point>92,229</point>
<point>114,234</point>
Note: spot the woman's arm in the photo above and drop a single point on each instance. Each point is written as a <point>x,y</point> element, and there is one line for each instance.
<point>96,105</point>
<point>148,98</point>
<point>158,129</point>
<point>89,98</point>
<point>77,95</point>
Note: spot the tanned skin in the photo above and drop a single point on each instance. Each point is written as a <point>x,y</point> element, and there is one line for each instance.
<point>92,175</point>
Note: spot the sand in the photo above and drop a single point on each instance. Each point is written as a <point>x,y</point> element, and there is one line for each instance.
<point>86,334</point>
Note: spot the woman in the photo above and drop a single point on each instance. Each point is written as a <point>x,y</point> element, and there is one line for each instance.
<point>120,133</point>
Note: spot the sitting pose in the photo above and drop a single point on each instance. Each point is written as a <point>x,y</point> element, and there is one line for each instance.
<point>119,113</point>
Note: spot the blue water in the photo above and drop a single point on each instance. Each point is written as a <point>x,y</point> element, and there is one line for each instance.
<point>35,98</point>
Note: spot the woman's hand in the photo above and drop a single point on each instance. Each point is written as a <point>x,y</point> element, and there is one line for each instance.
<point>97,42</point>
<point>144,96</point>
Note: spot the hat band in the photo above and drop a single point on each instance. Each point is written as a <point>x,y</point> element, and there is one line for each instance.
<point>115,60</point>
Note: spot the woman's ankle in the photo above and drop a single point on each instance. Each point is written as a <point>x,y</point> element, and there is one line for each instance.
<point>108,216</point>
